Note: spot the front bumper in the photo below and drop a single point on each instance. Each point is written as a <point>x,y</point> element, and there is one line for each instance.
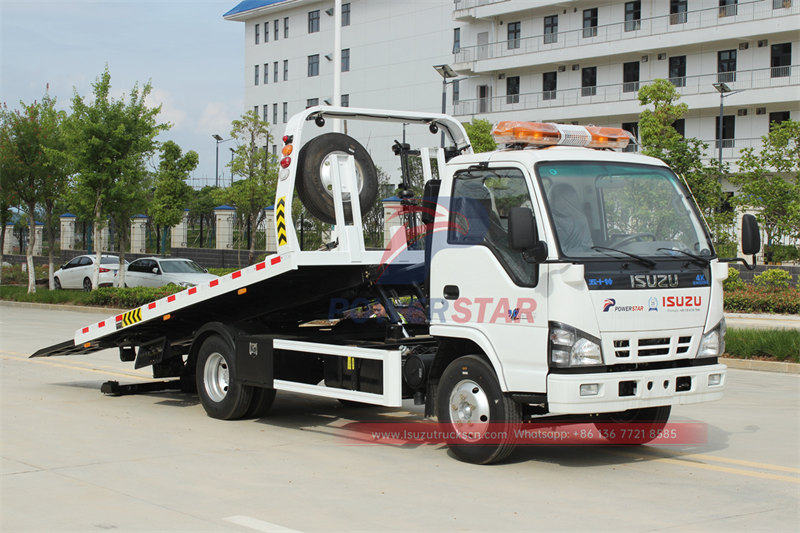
<point>620,391</point>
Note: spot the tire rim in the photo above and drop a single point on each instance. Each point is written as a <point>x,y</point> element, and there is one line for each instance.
<point>87,285</point>
<point>325,175</point>
<point>216,377</point>
<point>469,410</point>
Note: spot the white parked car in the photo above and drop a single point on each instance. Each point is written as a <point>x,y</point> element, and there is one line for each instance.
<point>157,272</point>
<point>77,273</point>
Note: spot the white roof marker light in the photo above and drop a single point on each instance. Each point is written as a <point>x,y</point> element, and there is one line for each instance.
<point>549,134</point>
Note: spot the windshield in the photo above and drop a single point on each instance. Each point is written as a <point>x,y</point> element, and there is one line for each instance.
<point>599,209</point>
<point>181,267</point>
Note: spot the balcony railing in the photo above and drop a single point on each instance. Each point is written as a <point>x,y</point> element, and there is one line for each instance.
<point>763,78</point>
<point>665,24</point>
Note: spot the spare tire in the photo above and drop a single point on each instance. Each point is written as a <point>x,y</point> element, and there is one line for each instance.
<point>314,185</point>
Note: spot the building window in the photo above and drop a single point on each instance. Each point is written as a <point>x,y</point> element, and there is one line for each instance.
<point>677,11</point>
<point>680,126</point>
<point>780,4</point>
<point>276,27</point>
<point>256,79</point>
<point>633,129</point>
<point>345,98</point>
<point>346,14</point>
<point>590,22</point>
<point>514,32</point>
<point>484,99</point>
<point>550,29</point>
<point>727,8</point>
<point>726,66</point>
<point>274,113</point>
<point>285,27</point>
<point>275,150</point>
<point>266,73</point>
<point>313,21</point>
<point>275,72</point>
<point>265,112</point>
<point>346,60</point>
<point>311,102</point>
<point>255,110</point>
<point>677,71</point>
<point>781,60</point>
<point>589,81</point>
<point>285,112</point>
<point>512,90</point>
<point>633,16</point>
<point>258,28</point>
<point>776,117</point>
<point>549,82</point>
<point>266,32</point>
<point>630,77</point>
<point>456,40</point>
<point>728,130</point>
<point>313,65</point>
<point>456,91</point>
<point>285,70</point>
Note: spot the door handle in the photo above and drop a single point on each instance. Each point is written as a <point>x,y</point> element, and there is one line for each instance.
<point>451,292</point>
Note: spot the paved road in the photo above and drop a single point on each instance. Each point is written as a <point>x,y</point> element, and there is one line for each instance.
<point>73,460</point>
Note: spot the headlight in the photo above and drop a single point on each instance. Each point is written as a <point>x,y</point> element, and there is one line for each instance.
<point>572,347</point>
<point>713,343</point>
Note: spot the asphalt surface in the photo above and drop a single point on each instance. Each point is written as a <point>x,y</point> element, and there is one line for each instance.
<point>75,460</point>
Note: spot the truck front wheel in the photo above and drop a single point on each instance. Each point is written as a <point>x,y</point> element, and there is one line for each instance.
<point>221,395</point>
<point>634,426</point>
<point>473,411</point>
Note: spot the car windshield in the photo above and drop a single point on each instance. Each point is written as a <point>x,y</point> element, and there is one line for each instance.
<point>600,209</point>
<point>181,267</point>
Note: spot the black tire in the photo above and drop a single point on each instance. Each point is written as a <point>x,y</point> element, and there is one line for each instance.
<point>636,426</point>
<point>261,402</point>
<point>57,283</point>
<point>215,374</point>
<point>469,399</point>
<point>313,185</point>
<point>87,285</point>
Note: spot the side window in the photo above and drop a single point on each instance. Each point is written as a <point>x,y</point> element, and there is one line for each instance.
<point>479,211</point>
<point>75,262</point>
<point>136,266</point>
<point>85,261</point>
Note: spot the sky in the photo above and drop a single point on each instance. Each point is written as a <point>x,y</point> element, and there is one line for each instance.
<point>192,57</point>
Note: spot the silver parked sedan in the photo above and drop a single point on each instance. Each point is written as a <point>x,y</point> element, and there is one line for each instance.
<point>157,272</point>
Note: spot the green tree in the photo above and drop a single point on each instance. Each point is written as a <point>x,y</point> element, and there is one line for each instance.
<point>26,170</point>
<point>480,135</point>
<point>259,171</point>
<point>770,181</point>
<point>8,196</point>
<point>171,195</point>
<point>108,142</point>
<point>201,208</point>
<point>659,139</point>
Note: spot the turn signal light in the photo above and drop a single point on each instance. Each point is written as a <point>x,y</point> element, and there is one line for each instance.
<point>287,150</point>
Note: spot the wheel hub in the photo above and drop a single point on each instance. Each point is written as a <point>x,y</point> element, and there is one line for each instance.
<point>469,409</point>
<point>216,377</point>
<point>326,171</point>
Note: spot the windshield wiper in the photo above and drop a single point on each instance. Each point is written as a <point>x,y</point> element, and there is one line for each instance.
<point>646,262</point>
<point>702,261</point>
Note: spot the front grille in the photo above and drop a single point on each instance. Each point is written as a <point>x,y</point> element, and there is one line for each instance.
<point>650,347</point>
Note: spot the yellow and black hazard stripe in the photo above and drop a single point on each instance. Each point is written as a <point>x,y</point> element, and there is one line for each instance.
<point>280,220</point>
<point>130,318</point>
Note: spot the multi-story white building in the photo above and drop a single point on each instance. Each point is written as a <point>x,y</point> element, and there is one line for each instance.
<point>578,61</point>
<point>583,61</point>
<point>388,50</point>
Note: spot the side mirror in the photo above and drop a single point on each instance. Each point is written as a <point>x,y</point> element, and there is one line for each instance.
<point>522,234</point>
<point>751,238</point>
<point>751,242</point>
<point>155,270</point>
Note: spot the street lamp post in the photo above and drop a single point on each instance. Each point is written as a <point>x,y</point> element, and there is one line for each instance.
<point>446,72</point>
<point>219,140</point>
<point>724,91</point>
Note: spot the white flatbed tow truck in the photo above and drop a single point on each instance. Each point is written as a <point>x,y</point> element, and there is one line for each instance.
<point>553,276</point>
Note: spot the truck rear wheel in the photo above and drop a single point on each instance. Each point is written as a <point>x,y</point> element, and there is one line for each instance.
<point>636,426</point>
<point>314,182</point>
<point>472,407</point>
<point>221,395</point>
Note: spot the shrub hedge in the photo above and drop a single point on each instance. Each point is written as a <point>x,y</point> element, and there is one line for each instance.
<point>127,297</point>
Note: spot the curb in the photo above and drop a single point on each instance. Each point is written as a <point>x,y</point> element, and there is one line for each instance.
<point>764,366</point>
<point>62,307</point>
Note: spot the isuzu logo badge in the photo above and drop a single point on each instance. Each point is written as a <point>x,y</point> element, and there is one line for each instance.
<point>654,281</point>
